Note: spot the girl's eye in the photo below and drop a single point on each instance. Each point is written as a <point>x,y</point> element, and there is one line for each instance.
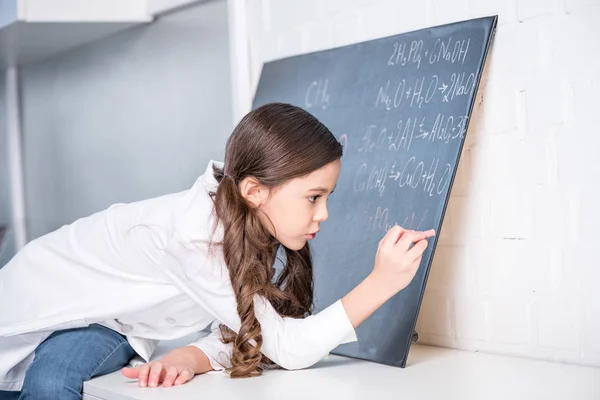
<point>312,199</point>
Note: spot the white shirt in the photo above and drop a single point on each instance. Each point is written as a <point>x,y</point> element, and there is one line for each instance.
<point>144,270</point>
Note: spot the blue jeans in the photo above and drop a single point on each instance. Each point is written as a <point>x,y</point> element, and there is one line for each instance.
<point>69,357</point>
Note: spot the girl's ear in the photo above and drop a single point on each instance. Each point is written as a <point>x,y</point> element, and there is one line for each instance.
<point>253,191</point>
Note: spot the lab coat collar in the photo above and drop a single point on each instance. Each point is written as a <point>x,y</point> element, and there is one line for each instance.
<point>208,176</point>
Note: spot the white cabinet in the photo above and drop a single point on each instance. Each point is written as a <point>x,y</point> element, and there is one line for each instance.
<point>81,10</point>
<point>32,30</point>
<point>161,6</point>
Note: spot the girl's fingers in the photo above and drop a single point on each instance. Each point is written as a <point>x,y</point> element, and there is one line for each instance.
<point>152,374</point>
<point>171,376</point>
<point>392,235</point>
<point>143,377</point>
<point>409,238</point>
<point>183,377</point>
<point>417,250</point>
<point>155,372</point>
<point>429,233</point>
<point>131,373</point>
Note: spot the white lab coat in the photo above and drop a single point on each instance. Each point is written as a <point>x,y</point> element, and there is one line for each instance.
<point>144,269</point>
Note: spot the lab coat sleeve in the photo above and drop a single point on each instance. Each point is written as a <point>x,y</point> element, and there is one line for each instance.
<point>218,353</point>
<point>295,343</point>
<point>292,343</point>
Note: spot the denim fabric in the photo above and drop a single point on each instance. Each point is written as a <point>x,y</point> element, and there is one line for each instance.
<point>69,357</point>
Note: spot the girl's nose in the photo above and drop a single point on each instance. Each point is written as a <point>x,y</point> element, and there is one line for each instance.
<point>322,214</point>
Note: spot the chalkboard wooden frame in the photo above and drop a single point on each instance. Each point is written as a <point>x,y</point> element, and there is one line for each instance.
<point>386,336</point>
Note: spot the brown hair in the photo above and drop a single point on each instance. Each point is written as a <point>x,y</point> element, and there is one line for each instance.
<point>273,144</point>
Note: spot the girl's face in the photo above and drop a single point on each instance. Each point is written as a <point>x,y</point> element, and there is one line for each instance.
<point>293,212</point>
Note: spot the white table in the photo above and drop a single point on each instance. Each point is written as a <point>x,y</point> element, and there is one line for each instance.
<point>431,373</point>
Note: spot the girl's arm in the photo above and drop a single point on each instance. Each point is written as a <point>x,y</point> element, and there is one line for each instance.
<point>299,343</point>
<point>215,355</point>
<point>395,266</point>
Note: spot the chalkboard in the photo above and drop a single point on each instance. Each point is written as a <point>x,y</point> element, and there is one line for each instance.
<point>401,107</point>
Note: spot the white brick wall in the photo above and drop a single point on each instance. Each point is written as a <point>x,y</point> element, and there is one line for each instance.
<point>516,270</point>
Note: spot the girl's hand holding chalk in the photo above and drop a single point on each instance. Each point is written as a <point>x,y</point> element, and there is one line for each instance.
<point>397,259</point>
<point>396,264</point>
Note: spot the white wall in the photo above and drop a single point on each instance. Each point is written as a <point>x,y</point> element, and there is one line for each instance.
<point>8,12</point>
<point>515,270</point>
<point>7,249</point>
<point>132,116</point>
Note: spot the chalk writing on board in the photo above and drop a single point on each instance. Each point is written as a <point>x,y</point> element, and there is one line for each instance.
<point>373,139</point>
<point>443,128</point>
<point>458,86</point>
<point>402,138</point>
<point>415,174</point>
<point>446,128</point>
<point>421,91</point>
<point>379,218</point>
<point>404,53</point>
<point>427,176</point>
<point>410,224</point>
<point>447,50</point>
<point>371,179</point>
<point>443,50</point>
<point>411,93</point>
<point>316,94</point>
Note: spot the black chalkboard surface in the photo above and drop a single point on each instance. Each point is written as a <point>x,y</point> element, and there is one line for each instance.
<point>401,107</point>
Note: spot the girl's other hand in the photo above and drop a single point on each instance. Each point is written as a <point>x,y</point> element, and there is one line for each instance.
<point>175,368</point>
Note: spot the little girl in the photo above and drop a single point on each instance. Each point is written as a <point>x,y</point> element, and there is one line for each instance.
<point>83,300</point>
